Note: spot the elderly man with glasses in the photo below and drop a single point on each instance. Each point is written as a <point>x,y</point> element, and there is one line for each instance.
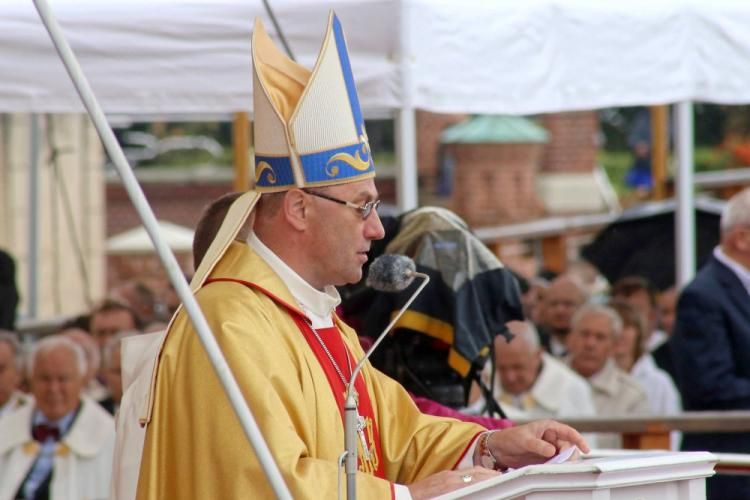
<point>60,447</point>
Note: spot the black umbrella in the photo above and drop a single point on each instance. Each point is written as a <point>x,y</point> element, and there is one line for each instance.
<point>642,242</point>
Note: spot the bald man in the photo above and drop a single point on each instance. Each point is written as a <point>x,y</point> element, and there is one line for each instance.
<point>562,299</point>
<point>530,383</point>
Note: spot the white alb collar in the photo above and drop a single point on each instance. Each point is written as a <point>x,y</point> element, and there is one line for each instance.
<point>317,305</point>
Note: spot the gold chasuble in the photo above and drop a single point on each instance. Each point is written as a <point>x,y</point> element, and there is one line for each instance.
<point>195,447</point>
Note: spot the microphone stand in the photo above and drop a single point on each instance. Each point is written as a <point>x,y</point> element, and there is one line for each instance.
<point>351,413</point>
<point>493,407</point>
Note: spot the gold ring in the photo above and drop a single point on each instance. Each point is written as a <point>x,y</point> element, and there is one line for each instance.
<point>467,478</point>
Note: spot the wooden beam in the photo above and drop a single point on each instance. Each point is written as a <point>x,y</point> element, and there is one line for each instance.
<point>241,148</point>
<point>659,150</point>
<point>692,421</point>
<point>496,248</point>
<point>655,437</point>
<point>554,253</point>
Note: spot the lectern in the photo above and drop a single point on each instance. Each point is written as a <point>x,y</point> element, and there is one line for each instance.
<point>642,476</point>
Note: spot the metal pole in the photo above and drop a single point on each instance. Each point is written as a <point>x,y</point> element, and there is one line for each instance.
<point>280,33</point>
<point>250,427</point>
<point>240,147</point>
<point>406,128</point>
<point>33,259</point>
<point>685,211</point>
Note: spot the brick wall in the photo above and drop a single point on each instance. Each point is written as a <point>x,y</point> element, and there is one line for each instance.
<point>495,183</point>
<point>147,269</point>
<point>573,141</point>
<point>429,127</point>
<point>180,203</point>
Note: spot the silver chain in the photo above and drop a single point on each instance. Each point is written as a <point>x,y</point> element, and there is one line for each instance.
<point>330,357</point>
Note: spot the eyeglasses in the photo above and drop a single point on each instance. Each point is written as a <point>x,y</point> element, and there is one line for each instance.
<point>365,210</point>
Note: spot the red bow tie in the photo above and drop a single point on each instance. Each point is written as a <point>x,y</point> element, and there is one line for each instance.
<point>41,432</point>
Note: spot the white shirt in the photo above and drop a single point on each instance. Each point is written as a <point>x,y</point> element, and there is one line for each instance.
<point>662,394</point>
<point>657,338</point>
<point>317,305</point>
<point>44,462</point>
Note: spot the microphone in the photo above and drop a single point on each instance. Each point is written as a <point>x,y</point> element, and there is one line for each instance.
<point>388,273</point>
<point>391,273</point>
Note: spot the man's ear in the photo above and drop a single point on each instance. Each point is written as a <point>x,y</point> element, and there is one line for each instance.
<point>538,354</point>
<point>296,209</point>
<point>742,240</point>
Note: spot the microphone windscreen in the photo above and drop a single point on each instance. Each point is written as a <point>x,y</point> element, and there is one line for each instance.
<point>391,273</point>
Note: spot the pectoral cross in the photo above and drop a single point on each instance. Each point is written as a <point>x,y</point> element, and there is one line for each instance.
<point>361,431</point>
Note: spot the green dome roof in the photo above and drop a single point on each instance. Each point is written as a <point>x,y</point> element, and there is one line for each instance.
<point>494,129</point>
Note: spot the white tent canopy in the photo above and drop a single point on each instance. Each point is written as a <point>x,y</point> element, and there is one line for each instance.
<point>174,56</point>
<point>506,56</point>
<point>137,241</point>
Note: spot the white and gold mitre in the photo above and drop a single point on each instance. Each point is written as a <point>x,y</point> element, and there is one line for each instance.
<point>308,128</point>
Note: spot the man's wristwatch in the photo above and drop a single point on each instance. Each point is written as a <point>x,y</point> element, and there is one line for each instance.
<point>486,458</point>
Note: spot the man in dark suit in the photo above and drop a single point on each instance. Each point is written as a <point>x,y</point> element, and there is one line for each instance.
<point>711,341</point>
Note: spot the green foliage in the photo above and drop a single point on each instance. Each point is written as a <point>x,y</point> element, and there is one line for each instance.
<point>616,164</point>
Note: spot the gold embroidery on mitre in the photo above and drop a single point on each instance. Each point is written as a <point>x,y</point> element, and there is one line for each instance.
<point>357,162</point>
<point>262,168</point>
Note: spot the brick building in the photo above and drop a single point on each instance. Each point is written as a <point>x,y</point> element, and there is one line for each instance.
<point>494,161</point>
<point>572,142</point>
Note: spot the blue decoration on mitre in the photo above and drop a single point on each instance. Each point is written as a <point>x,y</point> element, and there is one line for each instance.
<point>309,129</point>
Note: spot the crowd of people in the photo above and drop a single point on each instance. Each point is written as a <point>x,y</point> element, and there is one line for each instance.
<point>586,356</point>
<point>270,300</point>
<point>59,395</point>
<point>637,351</point>
<point>579,353</point>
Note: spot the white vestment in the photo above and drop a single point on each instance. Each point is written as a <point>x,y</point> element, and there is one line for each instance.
<point>138,357</point>
<point>83,458</point>
<point>661,391</point>
<point>616,394</point>
<point>16,400</point>
<point>557,392</point>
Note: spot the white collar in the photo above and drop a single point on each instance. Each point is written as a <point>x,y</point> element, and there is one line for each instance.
<point>317,305</point>
<point>63,423</point>
<point>605,380</point>
<point>742,273</point>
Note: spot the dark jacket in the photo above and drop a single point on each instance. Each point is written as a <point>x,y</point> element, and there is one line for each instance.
<point>711,344</point>
<point>711,354</point>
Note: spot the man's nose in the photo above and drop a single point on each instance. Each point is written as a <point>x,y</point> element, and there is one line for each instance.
<point>374,229</point>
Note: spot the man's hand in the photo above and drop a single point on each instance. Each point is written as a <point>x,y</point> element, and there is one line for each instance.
<point>533,443</point>
<point>447,481</point>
